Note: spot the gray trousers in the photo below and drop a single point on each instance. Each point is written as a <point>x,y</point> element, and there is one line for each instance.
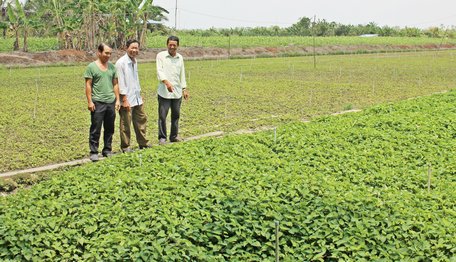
<point>163,107</point>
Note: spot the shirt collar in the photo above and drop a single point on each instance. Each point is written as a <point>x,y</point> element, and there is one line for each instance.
<point>129,60</point>
<point>176,56</point>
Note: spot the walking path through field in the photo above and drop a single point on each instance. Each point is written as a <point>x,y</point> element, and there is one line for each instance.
<point>86,160</point>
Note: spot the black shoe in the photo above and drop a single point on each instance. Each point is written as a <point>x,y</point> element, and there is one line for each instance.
<point>127,150</point>
<point>146,146</point>
<point>107,154</point>
<point>176,140</point>
<point>94,157</point>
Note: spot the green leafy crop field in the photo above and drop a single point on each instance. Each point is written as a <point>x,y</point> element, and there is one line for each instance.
<point>37,44</point>
<point>45,117</point>
<point>271,41</point>
<point>378,185</point>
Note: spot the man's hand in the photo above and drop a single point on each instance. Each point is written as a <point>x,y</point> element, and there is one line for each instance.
<point>117,105</point>
<point>91,106</point>
<point>126,105</point>
<point>186,94</point>
<point>169,86</point>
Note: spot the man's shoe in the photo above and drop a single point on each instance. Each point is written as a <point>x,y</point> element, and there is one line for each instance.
<point>94,157</point>
<point>176,140</point>
<point>127,150</point>
<point>162,141</point>
<point>107,154</point>
<point>146,146</point>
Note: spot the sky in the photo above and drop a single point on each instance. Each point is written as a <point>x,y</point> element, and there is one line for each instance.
<point>203,14</point>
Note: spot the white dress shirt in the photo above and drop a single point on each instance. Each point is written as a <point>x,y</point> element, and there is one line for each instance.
<point>172,69</point>
<point>127,73</point>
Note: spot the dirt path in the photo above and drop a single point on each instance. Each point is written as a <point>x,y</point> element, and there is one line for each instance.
<point>87,160</point>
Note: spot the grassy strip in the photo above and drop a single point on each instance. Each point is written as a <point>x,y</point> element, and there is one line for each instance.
<point>37,44</point>
<point>351,187</point>
<point>270,41</point>
<point>47,120</point>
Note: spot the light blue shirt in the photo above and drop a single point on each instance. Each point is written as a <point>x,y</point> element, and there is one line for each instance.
<point>127,73</point>
<point>171,69</point>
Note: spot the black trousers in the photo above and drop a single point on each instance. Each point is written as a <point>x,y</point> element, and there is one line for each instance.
<point>163,107</point>
<point>104,114</point>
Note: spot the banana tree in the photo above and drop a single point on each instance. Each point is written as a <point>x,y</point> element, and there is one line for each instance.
<point>14,20</point>
<point>3,18</point>
<point>150,12</point>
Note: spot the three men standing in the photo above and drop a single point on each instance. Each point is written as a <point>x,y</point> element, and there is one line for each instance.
<point>172,86</point>
<point>132,106</point>
<point>109,88</point>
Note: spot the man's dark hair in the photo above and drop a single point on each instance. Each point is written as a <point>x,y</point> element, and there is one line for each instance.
<point>131,41</point>
<point>173,38</point>
<point>101,47</point>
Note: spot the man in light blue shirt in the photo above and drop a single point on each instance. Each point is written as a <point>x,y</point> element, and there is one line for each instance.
<point>132,107</point>
<point>171,88</point>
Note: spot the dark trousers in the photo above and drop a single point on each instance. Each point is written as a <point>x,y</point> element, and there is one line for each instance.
<point>104,114</point>
<point>163,107</point>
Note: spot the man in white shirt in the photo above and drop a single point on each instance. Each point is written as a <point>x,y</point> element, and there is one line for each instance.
<point>171,88</point>
<point>132,107</point>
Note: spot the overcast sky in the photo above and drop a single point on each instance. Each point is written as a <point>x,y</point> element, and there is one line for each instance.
<point>203,14</point>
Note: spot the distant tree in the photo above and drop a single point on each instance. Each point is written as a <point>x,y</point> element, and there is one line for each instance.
<point>3,18</point>
<point>387,31</point>
<point>148,12</point>
<point>433,32</point>
<point>343,30</point>
<point>302,27</point>
<point>16,18</point>
<point>322,28</point>
<point>372,28</point>
<point>410,32</point>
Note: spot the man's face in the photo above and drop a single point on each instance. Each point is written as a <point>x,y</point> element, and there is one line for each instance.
<point>133,50</point>
<point>105,55</point>
<point>172,47</point>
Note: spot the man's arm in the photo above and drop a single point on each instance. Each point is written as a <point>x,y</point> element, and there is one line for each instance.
<point>122,82</point>
<point>88,91</point>
<point>162,75</point>
<point>184,82</point>
<point>115,83</point>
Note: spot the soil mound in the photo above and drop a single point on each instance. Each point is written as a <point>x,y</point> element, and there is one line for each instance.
<point>17,59</point>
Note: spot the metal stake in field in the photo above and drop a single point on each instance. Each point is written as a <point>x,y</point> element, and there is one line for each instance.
<point>429,177</point>
<point>314,53</point>
<point>373,87</point>
<point>277,240</point>
<point>275,135</point>
<point>251,61</point>
<point>36,99</point>
<point>292,71</point>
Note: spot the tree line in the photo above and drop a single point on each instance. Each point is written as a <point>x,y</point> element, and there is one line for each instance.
<point>321,27</point>
<point>82,24</point>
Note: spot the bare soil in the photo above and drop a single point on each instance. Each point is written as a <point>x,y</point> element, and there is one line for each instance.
<point>18,59</point>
